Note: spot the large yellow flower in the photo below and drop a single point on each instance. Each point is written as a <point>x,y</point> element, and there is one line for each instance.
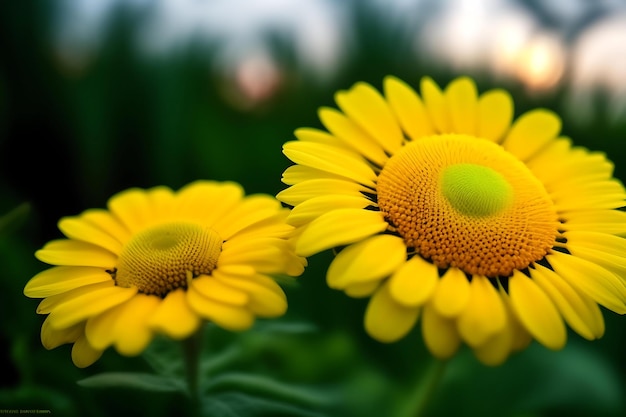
<point>159,261</point>
<point>494,232</point>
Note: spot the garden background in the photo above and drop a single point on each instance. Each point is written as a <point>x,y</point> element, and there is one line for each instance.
<point>97,96</point>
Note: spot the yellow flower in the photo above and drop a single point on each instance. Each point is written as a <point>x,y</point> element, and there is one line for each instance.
<point>494,231</point>
<point>159,261</point>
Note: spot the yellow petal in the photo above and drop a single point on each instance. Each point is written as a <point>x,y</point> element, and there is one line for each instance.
<point>559,162</point>
<point>559,152</point>
<point>107,222</point>
<point>307,211</point>
<point>435,105</point>
<point>606,194</point>
<point>211,288</point>
<point>604,242</point>
<point>274,226</point>
<point>207,200</point>
<point>588,278</point>
<point>50,303</point>
<point>579,315</point>
<point>174,316</point>
<point>339,227</point>
<point>162,202</point>
<point>76,253</point>
<point>614,263</point>
<point>439,333</point>
<point>452,293</point>
<point>253,209</point>
<point>531,132</point>
<point>308,134</point>
<point>298,173</point>
<point>596,321</point>
<point>331,159</point>
<point>295,264</point>
<point>60,279</point>
<point>312,188</point>
<point>496,349</point>
<point>520,336</point>
<point>408,108</point>
<point>461,99</point>
<point>83,354</point>
<point>579,168</point>
<point>414,282</point>
<point>351,136</point>
<point>52,338</point>
<point>386,320</point>
<point>495,113</point>
<point>82,307</point>
<point>132,208</point>
<point>484,316</point>
<point>251,283</point>
<point>79,229</point>
<point>267,304</point>
<point>536,311</point>
<point>372,259</point>
<point>132,333</point>
<point>226,316</point>
<point>270,255</point>
<point>99,329</point>
<point>235,270</point>
<point>363,104</point>
<point>362,289</point>
<point>266,298</point>
<point>601,221</point>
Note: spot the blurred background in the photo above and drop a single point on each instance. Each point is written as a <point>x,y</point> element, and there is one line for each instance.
<point>97,96</point>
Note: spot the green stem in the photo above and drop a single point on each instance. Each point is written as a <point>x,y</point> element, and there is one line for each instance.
<point>192,347</point>
<point>427,386</point>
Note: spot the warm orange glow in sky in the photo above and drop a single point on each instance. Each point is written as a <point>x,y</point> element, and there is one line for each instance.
<point>540,63</point>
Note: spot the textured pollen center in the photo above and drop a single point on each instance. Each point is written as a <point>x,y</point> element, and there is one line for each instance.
<point>163,258</point>
<point>464,202</point>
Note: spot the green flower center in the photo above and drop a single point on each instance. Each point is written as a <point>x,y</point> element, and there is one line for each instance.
<point>475,190</point>
<point>165,257</point>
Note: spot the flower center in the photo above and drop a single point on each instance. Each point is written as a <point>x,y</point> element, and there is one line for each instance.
<point>160,259</point>
<point>465,202</point>
<point>475,190</point>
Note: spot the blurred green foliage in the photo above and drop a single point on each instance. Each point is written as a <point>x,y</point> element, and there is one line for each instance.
<point>71,137</point>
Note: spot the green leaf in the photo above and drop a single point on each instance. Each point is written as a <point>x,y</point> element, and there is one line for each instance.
<point>278,326</point>
<point>267,387</point>
<point>235,404</point>
<point>222,354</point>
<point>14,218</point>
<point>214,362</point>
<point>134,380</point>
<point>579,379</point>
<point>574,381</point>
<point>165,357</point>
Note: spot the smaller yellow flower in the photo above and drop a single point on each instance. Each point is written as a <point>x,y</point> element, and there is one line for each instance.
<point>159,261</point>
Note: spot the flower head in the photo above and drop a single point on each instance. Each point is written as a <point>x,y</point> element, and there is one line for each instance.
<point>494,231</point>
<point>159,261</point>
